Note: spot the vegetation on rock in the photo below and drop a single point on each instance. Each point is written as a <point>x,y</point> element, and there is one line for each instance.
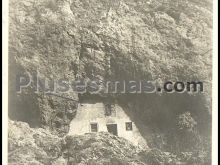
<point>157,40</point>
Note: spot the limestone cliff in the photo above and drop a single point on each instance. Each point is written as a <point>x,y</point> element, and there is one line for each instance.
<point>156,40</point>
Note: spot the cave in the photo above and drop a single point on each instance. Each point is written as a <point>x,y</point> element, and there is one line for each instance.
<point>24,108</point>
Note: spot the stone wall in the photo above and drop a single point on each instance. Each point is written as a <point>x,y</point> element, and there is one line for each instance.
<point>88,113</point>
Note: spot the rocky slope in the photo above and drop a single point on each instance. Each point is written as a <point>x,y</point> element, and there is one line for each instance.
<point>39,147</point>
<point>153,40</point>
<point>117,40</point>
<point>31,146</point>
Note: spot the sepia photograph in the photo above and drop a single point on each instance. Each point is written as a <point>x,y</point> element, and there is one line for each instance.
<point>110,82</point>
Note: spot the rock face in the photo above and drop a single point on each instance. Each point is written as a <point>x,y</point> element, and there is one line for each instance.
<point>40,147</point>
<point>153,40</point>
<point>156,40</point>
<point>37,146</point>
<point>102,148</point>
<point>31,146</point>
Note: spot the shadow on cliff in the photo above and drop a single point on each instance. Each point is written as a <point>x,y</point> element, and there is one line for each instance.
<point>156,115</point>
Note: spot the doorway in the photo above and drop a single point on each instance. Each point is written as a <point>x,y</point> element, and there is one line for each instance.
<point>112,128</point>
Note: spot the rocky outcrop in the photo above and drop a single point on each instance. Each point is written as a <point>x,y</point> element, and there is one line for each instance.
<point>31,146</point>
<point>153,40</point>
<point>156,40</point>
<point>37,146</point>
<point>40,147</point>
<point>102,148</point>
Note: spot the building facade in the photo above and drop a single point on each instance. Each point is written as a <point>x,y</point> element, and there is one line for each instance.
<point>102,117</point>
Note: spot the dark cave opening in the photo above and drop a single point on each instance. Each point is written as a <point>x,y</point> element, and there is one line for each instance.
<point>24,108</point>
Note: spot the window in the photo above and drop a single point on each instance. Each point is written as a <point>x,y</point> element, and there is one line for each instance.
<point>128,126</point>
<point>57,124</point>
<point>59,114</point>
<point>94,127</point>
<point>110,110</point>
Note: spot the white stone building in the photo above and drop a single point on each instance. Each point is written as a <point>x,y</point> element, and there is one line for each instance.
<point>99,117</point>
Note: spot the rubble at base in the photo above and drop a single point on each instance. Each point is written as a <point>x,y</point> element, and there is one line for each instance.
<point>37,146</point>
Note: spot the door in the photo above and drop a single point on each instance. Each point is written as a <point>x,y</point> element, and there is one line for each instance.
<point>112,128</point>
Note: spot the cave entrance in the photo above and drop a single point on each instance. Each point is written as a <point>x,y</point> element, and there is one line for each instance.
<point>112,128</point>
